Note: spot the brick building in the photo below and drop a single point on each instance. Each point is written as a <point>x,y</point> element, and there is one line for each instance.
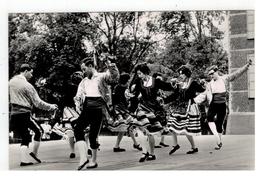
<point>242,91</point>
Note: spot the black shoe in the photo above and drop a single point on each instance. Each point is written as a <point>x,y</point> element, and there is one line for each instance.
<point>92,167</point>
<point>83,165</point>
<point>26,164</point>
<point>144,157</point>
<point>194,150</point>
<point>157,146</point>
<point>72,155</point>
<point>150,157</point>
<point>174,149</point>
<point>119,149</point>
<point>89,152</point>
<point>219,146</point>
<point>163,144</point>
<point>138,147</point>
<point>34,157</point>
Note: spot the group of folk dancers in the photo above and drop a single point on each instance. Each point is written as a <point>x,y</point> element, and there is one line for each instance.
<point>137,108</point>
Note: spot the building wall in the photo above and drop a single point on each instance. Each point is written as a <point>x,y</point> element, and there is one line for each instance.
<point>242,111</point>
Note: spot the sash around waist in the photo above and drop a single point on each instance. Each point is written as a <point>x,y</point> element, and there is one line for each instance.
<point>17,109</point>
<point>94,102</point>
<point>219,97</point>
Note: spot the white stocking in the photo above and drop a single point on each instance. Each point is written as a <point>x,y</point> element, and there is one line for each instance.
<point>213,129</point>
<point>36,145</point>
<point>81,145</point>
<point>24,154</point>
<point>174,139</point>
<point>143,141</point>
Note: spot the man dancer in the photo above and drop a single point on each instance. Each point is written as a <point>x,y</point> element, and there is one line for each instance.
<point>23,97</point>
<point>216,96</point>
<point>93,94</point>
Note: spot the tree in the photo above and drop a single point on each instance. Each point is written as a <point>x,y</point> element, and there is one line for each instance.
<point>194,40</point>
<point>126,35</point>
<point>52,44</point>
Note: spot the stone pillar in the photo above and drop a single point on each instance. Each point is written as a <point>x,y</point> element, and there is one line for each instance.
<point>242,113</point>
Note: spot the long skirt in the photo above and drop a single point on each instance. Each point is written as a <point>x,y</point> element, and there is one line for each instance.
<point>190,125</point>
<point>123,121</point>
<point>153,119</point>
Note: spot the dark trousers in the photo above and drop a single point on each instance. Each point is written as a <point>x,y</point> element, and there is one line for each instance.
<point>90,116</point>
<point>218,109</point>
<point>21,123</point>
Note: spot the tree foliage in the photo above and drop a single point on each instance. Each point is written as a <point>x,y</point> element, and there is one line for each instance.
<point>55,43</point>
<point>194,40</point>
<point>126,35</point>
<point>52,44</point>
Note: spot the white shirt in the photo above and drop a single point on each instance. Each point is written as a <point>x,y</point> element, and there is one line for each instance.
<point>148,82</point>
<point>218,86</point>
<point>24,94</point>
<point>91,85</point>
<point>95,87</point>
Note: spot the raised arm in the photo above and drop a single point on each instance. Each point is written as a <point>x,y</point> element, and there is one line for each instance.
<point>112,75</point>
<point>239,72</point>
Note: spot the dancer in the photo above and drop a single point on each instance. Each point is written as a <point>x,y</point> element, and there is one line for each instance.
<point>70,114</point>
<point>150,108</point>
<point>184,117</point>
<point>121,112</point>
<point>23,97</point>
<point>216,96</point>
<point>92,94</point>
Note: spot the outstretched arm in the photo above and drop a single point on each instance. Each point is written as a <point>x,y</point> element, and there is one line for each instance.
<point>166,86</point>
<point>239,72</point>
<point>38,102</point>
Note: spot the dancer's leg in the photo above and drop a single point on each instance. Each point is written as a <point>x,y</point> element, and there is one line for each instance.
<point>81,145</point>
<point>119,139</point>
<point>151,144</point>
<point>191,140</point>
<point>213,129</point>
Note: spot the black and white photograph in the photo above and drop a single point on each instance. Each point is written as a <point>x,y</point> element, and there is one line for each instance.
<point>130,90</point>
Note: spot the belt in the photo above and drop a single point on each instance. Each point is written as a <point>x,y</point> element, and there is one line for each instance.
<point>16,107</point>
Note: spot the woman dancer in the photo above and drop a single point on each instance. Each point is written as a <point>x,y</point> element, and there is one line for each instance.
<point>69,112</point>
<point>184,113</point>
<point>122,116</point>
<point>149,107</point>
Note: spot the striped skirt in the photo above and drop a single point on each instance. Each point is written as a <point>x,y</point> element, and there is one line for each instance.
<point>123,121</point>
<point>154,120</point>
<point>188,126</point>
<point>125,126</point>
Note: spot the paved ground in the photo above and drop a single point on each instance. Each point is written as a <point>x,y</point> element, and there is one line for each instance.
<point>238,153</point>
